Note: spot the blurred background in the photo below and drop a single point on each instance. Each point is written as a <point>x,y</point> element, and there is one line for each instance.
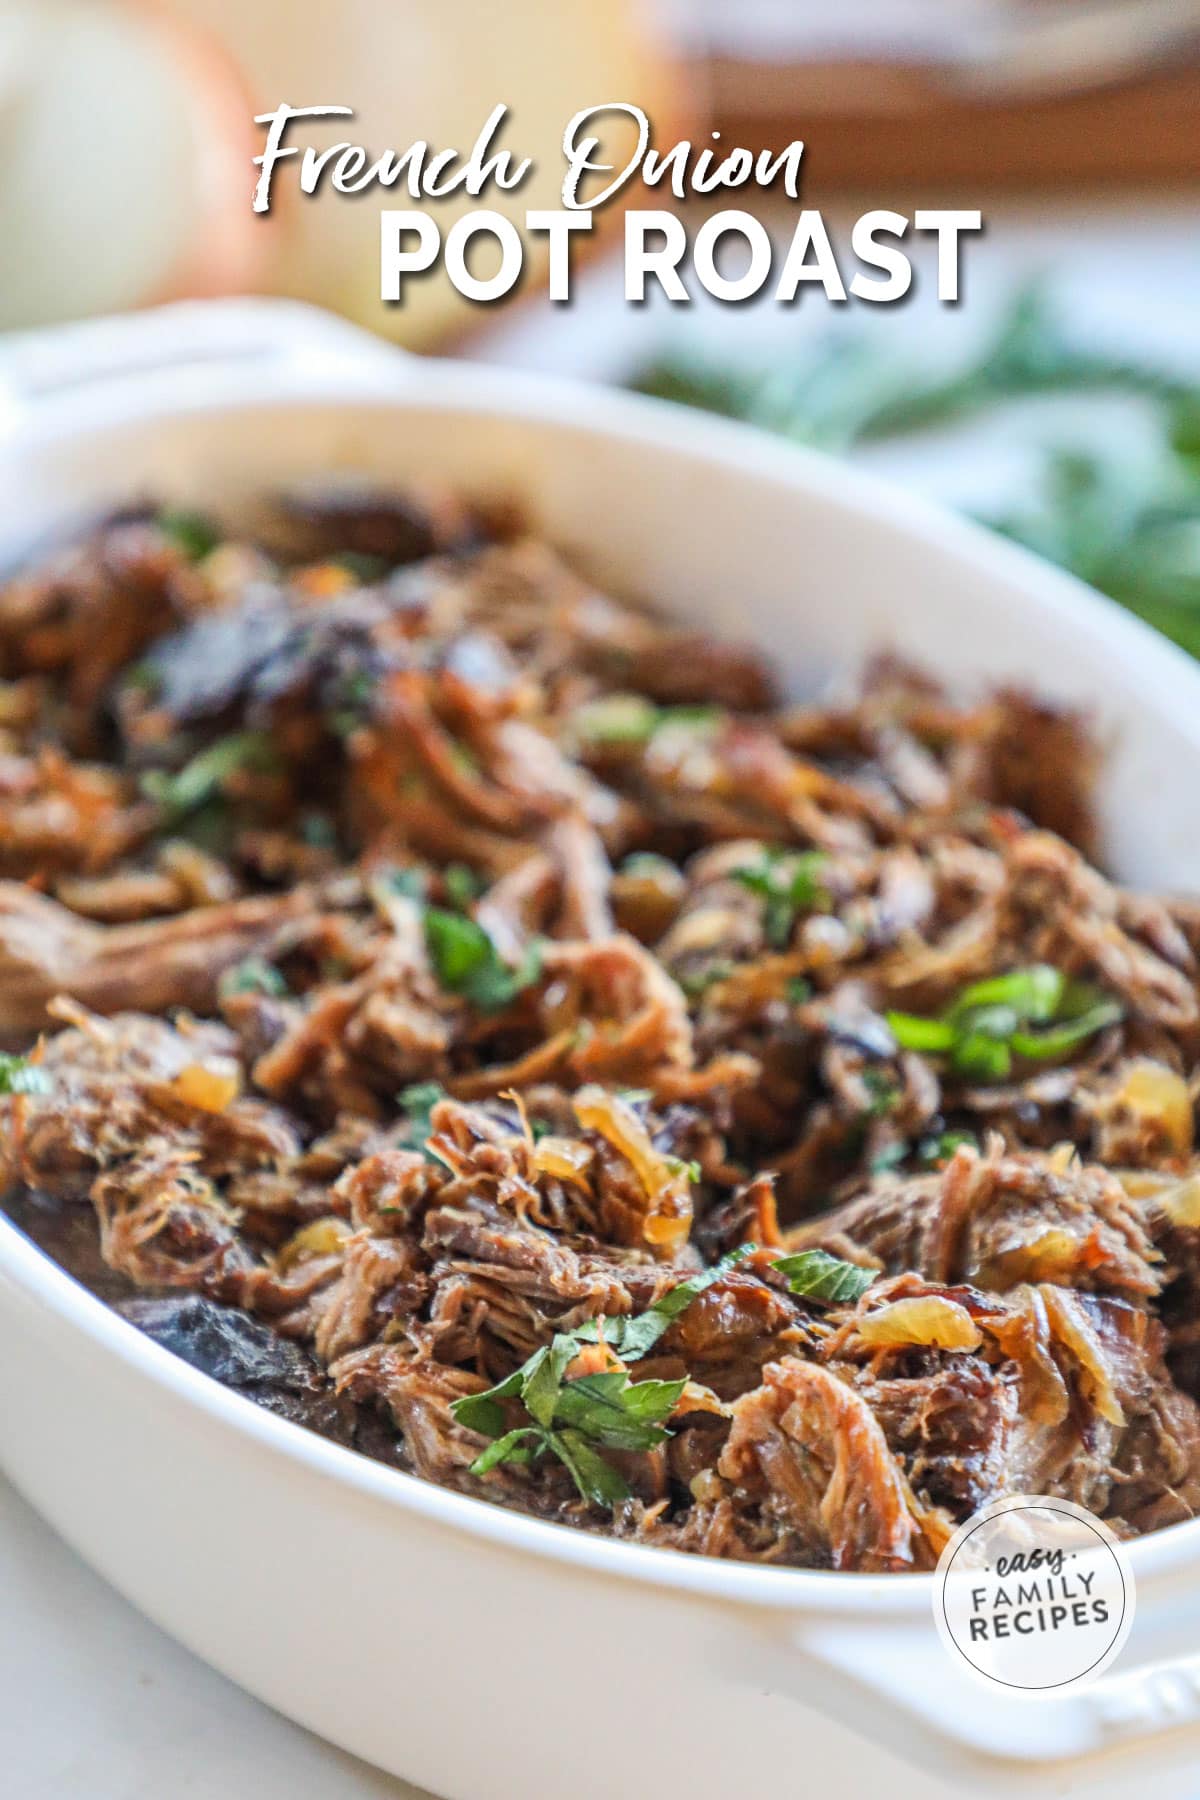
<point>1060,401</point>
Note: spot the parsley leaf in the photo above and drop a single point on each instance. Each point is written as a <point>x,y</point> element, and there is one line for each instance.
<point>934,1150</point>
<point>815,1275</point>
<point>467,962</point>
<point>631,1338</point>
<point>632,719</point>
<point>20,1076</point>
<point>253,975</point>
<point>575,1420</point>
<point>192,532</point>
<point>418,1102</point>
<point>201,779</point>
<point>1128,524</point>
<point>789,885</point>
<point>1033,1013</point>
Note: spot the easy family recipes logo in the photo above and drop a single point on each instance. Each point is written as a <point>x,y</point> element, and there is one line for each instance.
<point>1035,1594</point>
<point>607,150</point>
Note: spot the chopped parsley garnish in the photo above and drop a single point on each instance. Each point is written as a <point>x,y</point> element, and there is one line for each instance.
<point>1120,509</point>
<point>467,962</point>
<point>696,982</point>
<point>789,884</point>
<point>815,1275</point>
<point>253,975</point>
<point>934,1150</point>
<point>201,779</point>
<point>399,884</point>
<point>575,1420</point>
<point>191,532</point>
<point>18,1075</point>
<point>318,831</point>
<point>632,719</point>
<point>1036,1014</point>
<point>462,885</point>
<point>349,703</point>
<point>418,1102</point>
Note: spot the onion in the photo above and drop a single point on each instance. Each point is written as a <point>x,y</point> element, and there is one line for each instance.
<point>1158,1097</point>
<point>1052,1254</point>
<point>208,1087</point>
<point>1072,1327</point>
<point>566,1159</point>
<point>920,1319</point>
<point>1181,1203</point>
<point>324,1237</point>
<point>668,1221</point>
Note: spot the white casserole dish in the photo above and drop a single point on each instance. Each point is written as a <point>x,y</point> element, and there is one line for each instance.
<point>476,1652</point>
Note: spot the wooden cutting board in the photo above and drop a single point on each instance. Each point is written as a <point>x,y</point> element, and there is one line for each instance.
<point>861,122</point>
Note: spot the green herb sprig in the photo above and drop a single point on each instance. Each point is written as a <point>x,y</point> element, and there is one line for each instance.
<point>19,1075</point>
<point>790,884</point>
<point>575,1420</point>
<point>467,962</point>
<point>815,1275</point>
<point>632,719</point>
<point>193,533</point>
<point>188,789</point>
<point>1128,524</point>
<point>1035,1014</point>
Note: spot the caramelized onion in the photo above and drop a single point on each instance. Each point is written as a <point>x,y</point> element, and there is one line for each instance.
<point>920,1319</point>
<point>324,1237</point>
<point>669,1216</point>
<point>1181,1203</point>
<point>566,1159</point>
<point>1074,1330</point>
<point>1158,1097</point>
<point>209,1087</point>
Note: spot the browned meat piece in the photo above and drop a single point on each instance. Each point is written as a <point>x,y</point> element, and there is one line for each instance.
<point>380,1279</point>
<point>999,1220</point>
<point>806,1449</point>
<point>163,1224</point>
<point>1045,1390</point>
<point>59,815</point>
<point>90,612</point>
<point>726,1336</point>
<point>1040,760</point>
<point>1078,918</point>
<point>46,950</point>
<point>418,1394</point>
<point>246,1355</point>
<point>370,521</point>
<point>952,1428</point>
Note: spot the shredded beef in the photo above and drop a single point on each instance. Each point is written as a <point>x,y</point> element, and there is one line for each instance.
<point>421,973</point>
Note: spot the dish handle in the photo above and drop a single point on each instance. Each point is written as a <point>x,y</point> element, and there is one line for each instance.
<point>37,366</point>
<point>893,1678</point>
